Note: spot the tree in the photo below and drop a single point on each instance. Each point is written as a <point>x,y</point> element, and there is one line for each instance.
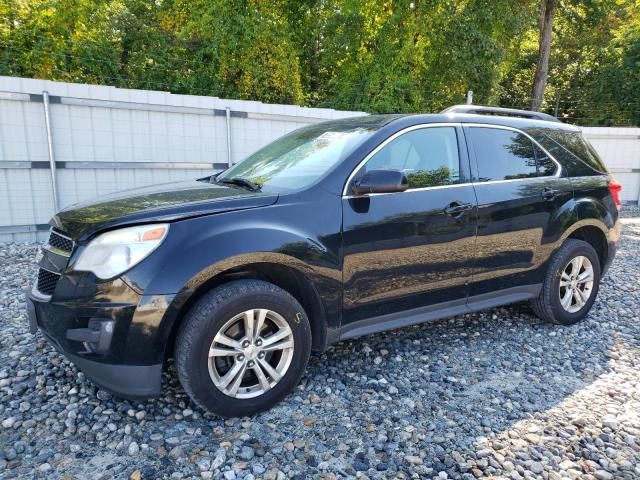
<point>240,49</point>
<point>593,69</point>
<point>545,28</point>
<point>370,55</point>
<point>615,85</point>
<point>409,56</point>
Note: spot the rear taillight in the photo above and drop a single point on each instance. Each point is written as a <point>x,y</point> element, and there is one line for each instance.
<point>615,188</point>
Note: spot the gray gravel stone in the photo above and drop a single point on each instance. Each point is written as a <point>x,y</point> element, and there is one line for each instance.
<point>133,449</point>
<point>492,394</point>
<point>247,453</point>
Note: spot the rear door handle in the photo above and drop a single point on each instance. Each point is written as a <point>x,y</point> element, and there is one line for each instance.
<point>456,208</point>
<point>549,193</point>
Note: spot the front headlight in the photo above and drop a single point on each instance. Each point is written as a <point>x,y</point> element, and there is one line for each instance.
<point>113,253</point>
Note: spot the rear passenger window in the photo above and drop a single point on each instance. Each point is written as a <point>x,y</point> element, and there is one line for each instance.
<point>508,155</point>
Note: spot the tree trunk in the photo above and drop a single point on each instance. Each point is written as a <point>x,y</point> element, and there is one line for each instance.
<point>545,27</point>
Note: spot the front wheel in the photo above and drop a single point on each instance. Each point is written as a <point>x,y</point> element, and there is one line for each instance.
<point>570,285</point>
<point>242,348</point>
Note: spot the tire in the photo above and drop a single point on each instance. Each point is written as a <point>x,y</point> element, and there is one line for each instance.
<point>209,320</point>
<point>548,306</point>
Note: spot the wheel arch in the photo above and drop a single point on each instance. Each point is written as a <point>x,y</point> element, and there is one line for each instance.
<point>595,237</point>
<point>594,232</point>
<point>287,273</point>
<point>593,224</point>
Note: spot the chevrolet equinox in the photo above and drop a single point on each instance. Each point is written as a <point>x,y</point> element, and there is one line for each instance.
<point>336,230</point>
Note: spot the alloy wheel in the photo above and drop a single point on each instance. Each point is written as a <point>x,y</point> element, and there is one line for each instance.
<point>576,284</point>
<point>251,353</point>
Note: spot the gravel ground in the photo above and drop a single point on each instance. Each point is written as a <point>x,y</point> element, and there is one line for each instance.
<point>494,394</point>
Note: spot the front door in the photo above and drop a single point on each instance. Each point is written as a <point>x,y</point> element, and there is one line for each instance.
<point>410,249</point>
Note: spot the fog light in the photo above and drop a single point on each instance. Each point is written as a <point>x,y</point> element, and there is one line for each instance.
<point>96,337</point>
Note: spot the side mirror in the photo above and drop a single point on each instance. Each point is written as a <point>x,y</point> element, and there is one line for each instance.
<point>380,181</point>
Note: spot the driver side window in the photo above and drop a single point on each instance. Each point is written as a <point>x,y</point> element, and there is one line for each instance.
<point>428,156</point>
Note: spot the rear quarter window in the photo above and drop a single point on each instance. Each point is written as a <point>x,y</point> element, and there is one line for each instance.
<point>572,150</point>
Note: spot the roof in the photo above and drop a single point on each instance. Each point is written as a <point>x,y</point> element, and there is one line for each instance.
<point>491,119</point>
<point>521,119</point>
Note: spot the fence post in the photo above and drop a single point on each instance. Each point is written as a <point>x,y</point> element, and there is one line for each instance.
<point>228,115</point>
<point>52,162</point>
<point>470,97</point>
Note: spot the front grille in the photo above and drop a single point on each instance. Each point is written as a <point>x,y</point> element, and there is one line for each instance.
<point>58,247</point>
<point>47,281</point>
<point>60,241</point>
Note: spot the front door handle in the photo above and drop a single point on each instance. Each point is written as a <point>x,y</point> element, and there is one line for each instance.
<point>456,209</point>
<point>549,193</point>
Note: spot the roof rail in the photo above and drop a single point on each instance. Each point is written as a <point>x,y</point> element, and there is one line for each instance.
<point>504,112</point>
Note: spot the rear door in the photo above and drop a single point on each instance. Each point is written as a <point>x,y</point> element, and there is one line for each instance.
<point>410,249</point>
<point>522,195</point>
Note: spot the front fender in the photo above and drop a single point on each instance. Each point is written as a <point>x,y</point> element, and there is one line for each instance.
<point>323,289</point>
<point>199,249</point>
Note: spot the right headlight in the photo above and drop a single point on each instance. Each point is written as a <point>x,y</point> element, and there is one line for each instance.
<point>115,252</point>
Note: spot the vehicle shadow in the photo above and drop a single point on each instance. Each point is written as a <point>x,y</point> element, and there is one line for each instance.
<point>498,380</point>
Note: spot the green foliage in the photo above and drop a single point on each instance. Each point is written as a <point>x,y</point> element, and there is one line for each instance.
<point>246,48</point>
<point>432,178</point>
<point>372,55</point>
<point>593,70</point>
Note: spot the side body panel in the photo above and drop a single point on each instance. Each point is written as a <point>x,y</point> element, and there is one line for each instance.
<point>518,231</point>
<point>594,200</point>
<point>401,251</point>
<point>595,207</point>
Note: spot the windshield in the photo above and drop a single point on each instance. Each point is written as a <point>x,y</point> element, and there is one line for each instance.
<point>298,159</point>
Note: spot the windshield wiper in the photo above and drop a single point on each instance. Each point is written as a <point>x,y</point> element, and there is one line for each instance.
<point>243,182</point>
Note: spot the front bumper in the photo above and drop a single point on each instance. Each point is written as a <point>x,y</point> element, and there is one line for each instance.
<point>118,345</point>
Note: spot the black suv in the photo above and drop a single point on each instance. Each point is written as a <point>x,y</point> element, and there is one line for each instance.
<point>336,230</point>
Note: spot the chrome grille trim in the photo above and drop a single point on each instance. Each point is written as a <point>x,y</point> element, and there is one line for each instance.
<point>55,250</point>
<point>60,243</point>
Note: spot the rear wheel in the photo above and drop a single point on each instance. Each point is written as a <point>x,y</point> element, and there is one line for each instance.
<point>242,348</point>
<point>570,285</point>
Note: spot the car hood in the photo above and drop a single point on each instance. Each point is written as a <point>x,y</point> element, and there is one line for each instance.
<point>161,203</point>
